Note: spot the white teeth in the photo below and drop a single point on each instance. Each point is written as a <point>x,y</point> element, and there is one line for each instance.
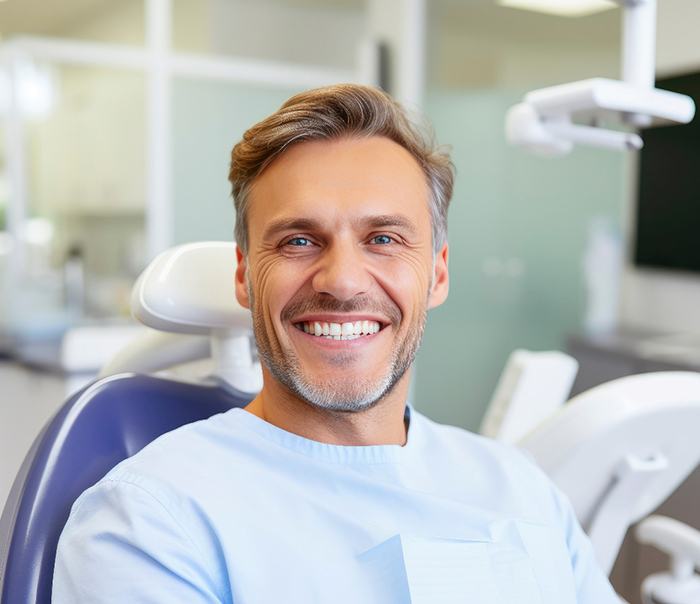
<point>338,331</point>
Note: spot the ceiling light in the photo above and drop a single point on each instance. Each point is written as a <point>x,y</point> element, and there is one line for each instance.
<point>562,8</point>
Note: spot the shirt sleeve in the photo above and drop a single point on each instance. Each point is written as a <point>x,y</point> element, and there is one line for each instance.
<point>592,586</point>
<point>121,544</point>
<point>590,582</point>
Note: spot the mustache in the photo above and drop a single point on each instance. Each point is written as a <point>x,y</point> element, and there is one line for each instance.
<point>329,304</point>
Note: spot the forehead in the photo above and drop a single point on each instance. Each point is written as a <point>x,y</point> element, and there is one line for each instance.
<point>340,180</point>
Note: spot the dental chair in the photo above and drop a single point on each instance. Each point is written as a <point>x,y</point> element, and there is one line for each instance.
<point>617,451</point>
<point>114,417</point>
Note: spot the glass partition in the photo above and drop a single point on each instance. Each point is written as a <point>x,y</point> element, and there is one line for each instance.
<point>85,162</point>
<point>208,119</point>
<point>313,32</point>
<point>517,229</point>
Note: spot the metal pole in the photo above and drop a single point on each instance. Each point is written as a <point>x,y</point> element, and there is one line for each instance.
<point>159,211</point>
<point>401,25</point>
<point>639,48</point>
<point>411,78</point>
<point>639,43</point>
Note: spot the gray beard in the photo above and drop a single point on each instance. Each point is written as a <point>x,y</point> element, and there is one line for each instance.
<point>331,395</point>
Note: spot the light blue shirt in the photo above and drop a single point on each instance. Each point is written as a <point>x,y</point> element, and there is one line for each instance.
<point>235,510</point>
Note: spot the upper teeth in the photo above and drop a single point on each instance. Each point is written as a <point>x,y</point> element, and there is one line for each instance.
<point>339,331</point>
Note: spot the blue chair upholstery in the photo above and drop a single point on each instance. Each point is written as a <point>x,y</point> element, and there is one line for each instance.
<point>93,431</point>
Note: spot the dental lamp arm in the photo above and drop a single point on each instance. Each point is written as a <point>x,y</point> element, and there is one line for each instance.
<point>543,122</point>
<point>525,128</point>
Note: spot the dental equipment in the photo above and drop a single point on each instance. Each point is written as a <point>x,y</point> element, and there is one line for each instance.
<point>531,388</point>
<point>619,450</point>
<point>682,543</point>
<point>189,289</point>
<point>544,121</point>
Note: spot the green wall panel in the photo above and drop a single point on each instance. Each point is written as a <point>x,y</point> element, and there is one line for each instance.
<point>209,118</point>
<point>512,212</point>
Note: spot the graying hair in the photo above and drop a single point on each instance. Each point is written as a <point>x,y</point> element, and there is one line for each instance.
<point>333,112</point>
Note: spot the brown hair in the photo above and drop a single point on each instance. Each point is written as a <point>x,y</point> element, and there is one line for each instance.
<point>332,112</point>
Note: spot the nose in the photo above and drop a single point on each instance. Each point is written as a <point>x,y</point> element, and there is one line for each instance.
<point>342,272</point>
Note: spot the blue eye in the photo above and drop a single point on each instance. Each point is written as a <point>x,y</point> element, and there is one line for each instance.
<point>382,239</point>
<point>298,241</point>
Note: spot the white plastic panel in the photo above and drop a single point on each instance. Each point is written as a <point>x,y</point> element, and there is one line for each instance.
<point>190,289</point>
<point>642,416</point>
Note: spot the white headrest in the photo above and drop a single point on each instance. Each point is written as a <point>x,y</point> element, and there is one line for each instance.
<point>190,289</point>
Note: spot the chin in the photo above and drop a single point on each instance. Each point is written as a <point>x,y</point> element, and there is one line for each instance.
<point>331,397</point>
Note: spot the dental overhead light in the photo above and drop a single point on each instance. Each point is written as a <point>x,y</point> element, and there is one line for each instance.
<point>544,121</point>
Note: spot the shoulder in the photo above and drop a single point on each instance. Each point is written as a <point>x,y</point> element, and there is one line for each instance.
<point>505,477</point>
<point>173,464</point>
<point>158,493</point>
<point>138,521</point>
<point>456,442</point>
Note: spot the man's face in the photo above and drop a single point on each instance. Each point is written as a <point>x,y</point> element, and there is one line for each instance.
<point>340,269</point>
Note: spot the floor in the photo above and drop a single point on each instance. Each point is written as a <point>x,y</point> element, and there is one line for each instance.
<point>28,398</point>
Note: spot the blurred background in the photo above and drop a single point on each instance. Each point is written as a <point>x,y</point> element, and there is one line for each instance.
<point>116,124</point>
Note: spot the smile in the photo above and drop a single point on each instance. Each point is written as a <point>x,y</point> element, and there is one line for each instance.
<point>339,331</point>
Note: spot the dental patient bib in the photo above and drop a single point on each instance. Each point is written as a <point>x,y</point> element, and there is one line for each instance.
<point>235,510</point>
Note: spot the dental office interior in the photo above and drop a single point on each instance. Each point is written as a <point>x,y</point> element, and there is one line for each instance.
<point>117,120</point>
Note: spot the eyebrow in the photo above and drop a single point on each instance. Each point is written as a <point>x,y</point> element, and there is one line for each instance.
<point>389,220</point>
<point>290,224</point>
<point>309,224</point>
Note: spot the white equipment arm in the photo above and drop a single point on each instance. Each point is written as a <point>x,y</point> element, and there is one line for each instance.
<point>157,350</point>
<point>544,121</point>
<point>675,538</point>
<point>682,543</point>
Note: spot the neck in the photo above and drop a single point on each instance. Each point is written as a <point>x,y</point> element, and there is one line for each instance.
<point>382,424</point>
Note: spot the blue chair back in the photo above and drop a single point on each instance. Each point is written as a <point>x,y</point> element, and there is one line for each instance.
<point>93,431</point>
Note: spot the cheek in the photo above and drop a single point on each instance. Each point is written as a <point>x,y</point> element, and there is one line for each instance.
<point>406,281</point>
<point>273,284</point>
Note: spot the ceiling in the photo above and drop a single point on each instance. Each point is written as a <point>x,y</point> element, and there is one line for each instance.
<point>487,17</point>
<point>482,16</point>
<point>44,17</point>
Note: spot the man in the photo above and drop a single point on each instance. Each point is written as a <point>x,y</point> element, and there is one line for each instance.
<point>327,487</point>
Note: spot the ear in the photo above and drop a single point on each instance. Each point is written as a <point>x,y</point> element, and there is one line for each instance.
<point>241,284</point>
<point>441,280</point>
